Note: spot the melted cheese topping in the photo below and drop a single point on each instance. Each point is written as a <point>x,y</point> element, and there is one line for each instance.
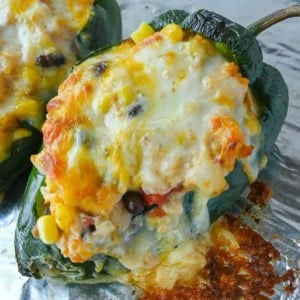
<point>165,117</point>
<point>29,29</point>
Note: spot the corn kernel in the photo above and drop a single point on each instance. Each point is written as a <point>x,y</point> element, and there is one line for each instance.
<point>105,104</point>
<point>21,133</point>
<point>142,32</point>
<point>30,74</point>
<point>28,108</point>
<point>263,162</point>
<point>48,231</point>
<point>64,216</point>
<point>181,138</point>
<point>127,94</point>
<point>18,7</point>
<point>253,124</point>
<point>170,58</point>
<point>173,32</point>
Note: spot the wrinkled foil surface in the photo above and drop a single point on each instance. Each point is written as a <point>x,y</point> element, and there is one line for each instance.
<point>281,221</point>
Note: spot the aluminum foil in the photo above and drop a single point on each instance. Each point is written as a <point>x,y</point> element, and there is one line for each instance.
<point>281,222</point>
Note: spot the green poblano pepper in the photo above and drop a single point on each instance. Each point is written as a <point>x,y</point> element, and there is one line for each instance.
<point>237,44</point>
<point>103,28</point>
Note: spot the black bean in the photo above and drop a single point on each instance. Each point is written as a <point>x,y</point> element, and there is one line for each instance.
<point>134,202</point>
<point>87,230</point>
<point>50,60</point>
<point>100,67</point>
<point>91,228</point>
<point>134,110</point>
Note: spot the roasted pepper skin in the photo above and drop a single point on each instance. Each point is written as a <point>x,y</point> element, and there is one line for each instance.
<point>37,259</point>
<point>103,28</point>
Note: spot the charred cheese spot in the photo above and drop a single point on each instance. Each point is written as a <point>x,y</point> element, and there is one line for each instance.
<point>236,261</point>
<point>166,119</point>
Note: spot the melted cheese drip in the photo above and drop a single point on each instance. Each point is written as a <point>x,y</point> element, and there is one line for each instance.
<point>158,115</point>
<point>29,29</point>
<point>181,266</point>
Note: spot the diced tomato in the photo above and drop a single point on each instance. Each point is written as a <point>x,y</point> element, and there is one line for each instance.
<point>156,199</point>
<point>159,199</point>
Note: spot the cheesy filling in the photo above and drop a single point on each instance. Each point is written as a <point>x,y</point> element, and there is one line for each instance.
<point>30,29</point>
<point>161,116</point>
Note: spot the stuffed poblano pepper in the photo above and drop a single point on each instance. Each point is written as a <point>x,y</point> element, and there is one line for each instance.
<point>40,41</point>
<point>145,145</point>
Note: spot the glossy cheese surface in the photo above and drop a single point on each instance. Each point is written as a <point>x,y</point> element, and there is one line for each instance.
<point>161,117</point>
<point>30,30</point>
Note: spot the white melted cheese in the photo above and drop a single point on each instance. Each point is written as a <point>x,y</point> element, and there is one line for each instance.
<point>157,117</point>
<point>174,109</point>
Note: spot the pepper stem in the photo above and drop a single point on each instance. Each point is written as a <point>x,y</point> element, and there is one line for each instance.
<point>260,25</point>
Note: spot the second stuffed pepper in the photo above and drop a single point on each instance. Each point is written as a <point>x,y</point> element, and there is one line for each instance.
<point>40,41</point>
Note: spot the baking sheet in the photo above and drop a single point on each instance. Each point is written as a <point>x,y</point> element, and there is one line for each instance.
<point>281,224</point>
